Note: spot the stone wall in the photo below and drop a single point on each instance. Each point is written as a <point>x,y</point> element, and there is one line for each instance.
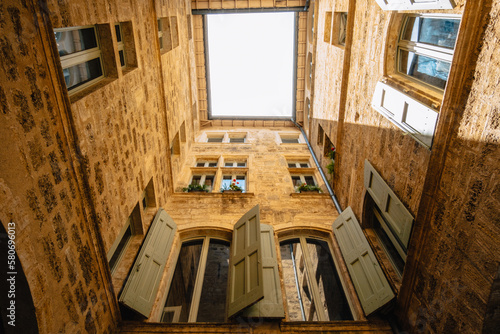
<point>40,181</point>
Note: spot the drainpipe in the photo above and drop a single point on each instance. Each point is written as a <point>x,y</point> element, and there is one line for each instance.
<point>323,176</point>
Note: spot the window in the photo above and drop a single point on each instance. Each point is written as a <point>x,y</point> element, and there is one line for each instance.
<point>290,138</point>
<point>298,180</point>
<point>313,288</point>
<point>205,267</point>
<point>321,134</point>
<point>238,180</point>
<point>236,139</point>
<point>425,48</point>
<point>215,138</point>
<point>204,179</point>
<point>132,226</point>
<point>298,164</point>
<point>80,55</point>
<point>339,28</point>
<point>235,164</point>
<point>149,198</point>
<point>198,288</point>
<point>389,218</point>
<point>328,146</point>
<point>206,163</point>
<point>119,40</point>
<point>175,149</point>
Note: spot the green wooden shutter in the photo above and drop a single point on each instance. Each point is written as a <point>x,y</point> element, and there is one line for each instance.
<point>272,304</point>
<point>246,285</point>
<point>140,290</point>
<point>393,210</point>
<point>369,281</point>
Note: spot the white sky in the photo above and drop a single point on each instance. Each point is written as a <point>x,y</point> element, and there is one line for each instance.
<point>251,64</point>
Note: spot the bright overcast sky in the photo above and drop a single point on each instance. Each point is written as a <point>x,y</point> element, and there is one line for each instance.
<point>251,64</point>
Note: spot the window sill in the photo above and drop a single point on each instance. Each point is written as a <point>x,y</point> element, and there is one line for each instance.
<point>74,97</point>
<point>214,194</point>
<point>310,194</point>
<point>128,69</point>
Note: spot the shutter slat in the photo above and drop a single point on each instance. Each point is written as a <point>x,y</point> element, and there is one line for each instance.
<point>142,285</point>
<point>272,304</point>
<point>393,210</point>
<point>369,281</point>
<point>245,284</point>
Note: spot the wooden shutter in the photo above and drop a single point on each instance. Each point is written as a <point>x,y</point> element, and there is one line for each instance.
<point>245,285</point>
<point>393,210</point>
<point>415,4</point>
<point>406,113</point>
<point>140,290</point>
<point>272,304</point>
<point>369,281</point>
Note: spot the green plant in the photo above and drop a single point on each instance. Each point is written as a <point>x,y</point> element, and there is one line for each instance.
<point>331,167</point>
<point>232,186</point>
<point>308,187</point>
<point>195,187</point>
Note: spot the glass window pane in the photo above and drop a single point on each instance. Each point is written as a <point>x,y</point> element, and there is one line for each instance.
<point>72,41</point>
<point>213,294</point>
<point>434,31</point>
<point>236,140</point>
<point>122,58</point>
<point>241,182</point>
<point>298,294</point>
<point>296,181</point>
<point>309,180</point>
<point>291,165</point>
<point>304,165</point>
<point>228,164</point>
<point>196,179</point>
<point>181,290</point>
<point>241,164</point>
<point>118,33</point>
<point>429,70</point>
<point>333,300</point>
<point>200,164</point>
<point>209,181</point>
<point>212,164</point>
<point>79,74</point>
<point>290,140</point>
<point>214,139</point>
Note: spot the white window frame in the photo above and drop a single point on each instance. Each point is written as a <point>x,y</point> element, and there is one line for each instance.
<point>303,180</point>
<point>121,45</point>
<point>302,238</point>
<point>200,275</point>
<point>203,179</point>
<point>234,176</point>
<point>298,163</point>
<point>423,49</point>
<point>234,164</point>
<point>206,163</point>
<point>82,57</point>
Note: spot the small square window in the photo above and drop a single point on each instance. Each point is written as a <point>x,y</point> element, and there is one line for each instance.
<point>237,139</point>
<point>235,180</point>
<point>289,138</point>
<point>215,139</point>
<point>298,164</point>
<point>235,164</point>
<point>204,179</point>
<point>298,180</point>
<point>206,163</point>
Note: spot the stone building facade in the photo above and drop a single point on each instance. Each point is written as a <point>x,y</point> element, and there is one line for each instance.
<point>78,168</point>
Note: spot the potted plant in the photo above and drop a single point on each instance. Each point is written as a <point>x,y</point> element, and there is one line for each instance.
<point>233,187</point>
<point>195,188</point>
<point>308,188</point>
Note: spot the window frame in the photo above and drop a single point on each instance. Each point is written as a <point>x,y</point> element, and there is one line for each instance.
<point>234,163</point>
<point>121,45</point>
<point>422,49</point>
<point>206,163</point>
<point>203,177</point>
<point>200,274</point>
<point>302,179</point>
<point>81,57</point>
<point>290,236</point>
<point>234,176</point>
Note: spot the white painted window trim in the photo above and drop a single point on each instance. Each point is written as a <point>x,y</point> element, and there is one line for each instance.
<point>415,4</point>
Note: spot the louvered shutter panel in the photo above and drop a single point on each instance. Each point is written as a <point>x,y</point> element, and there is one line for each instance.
<point>246,285</point>
<point>272,304</point>
<point>142,285</point>
<point>393,210</point>
<point>415,4</point>
<point>371,285</point>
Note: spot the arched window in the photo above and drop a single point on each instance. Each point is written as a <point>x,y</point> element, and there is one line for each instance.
<point>425,48</point>
<point>313,288</point>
